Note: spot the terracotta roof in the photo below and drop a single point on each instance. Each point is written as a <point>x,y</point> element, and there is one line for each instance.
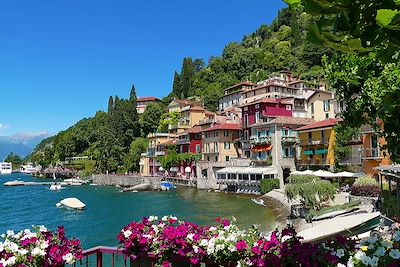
<point>169,142</point>
<point>240,84</point>
<point>224,126</point>
<point>319,124</point>
<point>291,121</point>
<point>209,113</point>
<point>147,98</point>
<point>196,108</point>
<point>195,129</point>
<point>267,100</point>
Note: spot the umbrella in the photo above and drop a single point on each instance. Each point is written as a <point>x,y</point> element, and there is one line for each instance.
<point>308,172</point>
<point>326,174</point>
<point>345,174</point>
<point>297,173</point>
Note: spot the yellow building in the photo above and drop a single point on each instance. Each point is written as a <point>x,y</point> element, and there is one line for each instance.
<point>218,142</point>
<point>320,104</point>
<point>317,144</point>
<point>148,163</point>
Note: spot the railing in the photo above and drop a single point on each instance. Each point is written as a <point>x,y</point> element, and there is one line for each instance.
<point>371,153</point>
<point>290,139</point>
<point>312,162</point>
<point>260,140</point>
<point>312,142</point>
<point>116,258</point>
<point>160,153</point>
<point>183,141</point>
<point>366,128</point>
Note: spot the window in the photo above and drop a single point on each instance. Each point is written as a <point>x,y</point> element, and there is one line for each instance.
<point>327,105</point>
<point>246,135</point>
<point>288,107</point>
<point>312,108</point>
<point>216,158</point>
<point>287,152</point>
<point>215,147</point>
<point>227,158</point>
<point>257,105</point>
<point>198,148</point>
<point>227,145</point>
<point>226,134</point>
<point>208,158</point>
<point>327,116</point>
<point>257,116</point>
<point>246,120</point>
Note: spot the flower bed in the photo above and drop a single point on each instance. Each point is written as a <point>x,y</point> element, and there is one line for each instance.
<point>39,247</point>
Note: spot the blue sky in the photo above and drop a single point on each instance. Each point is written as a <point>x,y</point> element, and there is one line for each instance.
<point>60,60</point>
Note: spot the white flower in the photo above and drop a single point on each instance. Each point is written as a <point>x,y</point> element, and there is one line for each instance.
<point>147,236</point>
<point>164,218</point>
<point>38,252</point>
<point>13,247</point>
<point>10,233</point>
<point>227,227</point>
<point>395,254</point>
<point>196,249</point>
<point>44,244</point>
<point>9,262</point>
<point>204,242</point>
<point>190,236</point>
<point>374,261</point>
<point>285,238</point>
<point>23,252</point>
<point>153,218</point>
<point>340,265</point>
<point>173,218</point>
<point>396,236</point>
<point>27,231</point>
<point>68,258</point>
<point>219,247</point>
<point>232,248</point>
<point>380,251</point>
<point>155,228</point>
<point>127,233</point>
<point>359,255</point>
<point>238,264</point>
<point>340,253</point>
<point>350,262</point>
<point>42,228</point>
<point>1,247</point>
<point>212,228</point>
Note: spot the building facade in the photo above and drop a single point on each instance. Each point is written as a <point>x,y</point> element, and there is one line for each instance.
<point>142,102</point>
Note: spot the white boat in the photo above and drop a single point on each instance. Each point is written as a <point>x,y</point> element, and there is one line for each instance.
<point>5,168</point>
<point>72,203</point>
<point>258,201</point>
<point>14,183</point>
<point>347,226</point>
<point>56,187</point>
<point>28,169</point>
<point>74,181</point>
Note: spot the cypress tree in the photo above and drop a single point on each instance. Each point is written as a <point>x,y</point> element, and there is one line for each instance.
<point>110,104</point>
<point>176,86</point>
<point>187,74</point>
<point>132,95</point>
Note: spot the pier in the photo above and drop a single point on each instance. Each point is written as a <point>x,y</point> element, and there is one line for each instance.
<point>22,183</point>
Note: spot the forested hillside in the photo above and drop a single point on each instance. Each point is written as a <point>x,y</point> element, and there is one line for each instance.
<point>282,45</point>
<point>115,139</point>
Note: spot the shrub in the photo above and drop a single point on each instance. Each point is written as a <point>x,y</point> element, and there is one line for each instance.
<point>365,180</point>
<point>300,179</point>
<point>365,190</point>
<point>269,184</point>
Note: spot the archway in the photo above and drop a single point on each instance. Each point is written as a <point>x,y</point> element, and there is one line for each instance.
<point>286,174</point>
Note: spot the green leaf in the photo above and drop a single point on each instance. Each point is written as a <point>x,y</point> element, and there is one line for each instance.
<point>397,2</point>
<point>385,17</point>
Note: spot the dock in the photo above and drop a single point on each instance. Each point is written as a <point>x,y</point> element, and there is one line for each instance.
<point>22,183</point>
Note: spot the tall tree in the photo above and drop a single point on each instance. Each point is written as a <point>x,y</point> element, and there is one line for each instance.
<point>110,104</point>
<point>132,94</point>
<point>176,86</point>
<point>150,118</point>
<point>187,74</point>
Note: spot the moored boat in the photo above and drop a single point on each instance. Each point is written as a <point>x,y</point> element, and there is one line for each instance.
<point>258,201</point>
<point>72,203</point>
<point>28,169</point>
<point>347,226</point>
<point>14,183</point>
<point>165,186</point>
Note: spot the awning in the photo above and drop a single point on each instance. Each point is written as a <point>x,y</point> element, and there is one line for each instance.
<point>259,148</point>
<point>249,170</point>
<point>321,151</point>
<point>322,173</point>
<point>308,152</point>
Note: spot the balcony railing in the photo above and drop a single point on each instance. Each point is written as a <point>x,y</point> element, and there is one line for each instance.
<point>260,140</point>
<point>113,256</point>
<point>314,142</point>
<point>317,162</point>
<point>183,141</point>
<point>290,139</point>
<point>371,153</point>
<point>160,153</point>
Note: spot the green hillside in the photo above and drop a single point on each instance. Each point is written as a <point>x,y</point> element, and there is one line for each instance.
<point>114,139</point>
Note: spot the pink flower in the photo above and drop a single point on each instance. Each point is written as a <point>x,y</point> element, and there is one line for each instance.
<point>241,245</point>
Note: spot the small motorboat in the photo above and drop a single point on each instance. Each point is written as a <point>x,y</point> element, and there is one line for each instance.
<point>14,183</point>
<point>258,201</point>
<point>71,203</point>
<point>165,186</point>
<point>56,187</point>
<point>347,226</point>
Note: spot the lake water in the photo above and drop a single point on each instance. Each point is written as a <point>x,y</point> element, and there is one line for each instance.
<point>108,210</point>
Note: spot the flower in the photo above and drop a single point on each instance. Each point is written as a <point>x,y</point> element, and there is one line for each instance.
<point>153,218</point>
<point>68,258</point>
<point>380,251</point>
<point>395,254</point>
<point>127,233</point>
<point>340,253</point>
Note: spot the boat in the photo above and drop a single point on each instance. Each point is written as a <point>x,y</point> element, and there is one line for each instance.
<point>258,201</point>
<point>333,214</point>
<point>5,167</point>
<point>73,181</point>
<point>56,187</point>
<point>14,183</point>
<point>165,186</point>
<point>28,169</point>
<point>71,203</point>
<point>347,226</point>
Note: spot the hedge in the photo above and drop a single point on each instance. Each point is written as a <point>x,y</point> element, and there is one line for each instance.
<point>269,184</point>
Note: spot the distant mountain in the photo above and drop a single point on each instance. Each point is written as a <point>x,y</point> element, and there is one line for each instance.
<point>20,144</point>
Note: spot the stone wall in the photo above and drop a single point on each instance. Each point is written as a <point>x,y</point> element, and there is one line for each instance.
<point>126,180</point>
<point>364,200</point>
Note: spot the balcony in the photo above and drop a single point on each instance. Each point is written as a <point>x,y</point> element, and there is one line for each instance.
<point>314,142</point>
<point>262,161</point>
<point>312,162</point>
<point>160,153</point>
<point>371,153</point>
<point>260,140</point>
<point>290,139</point>
<point>351,161</point>
<point>366,128</point>
<point>183,141</point>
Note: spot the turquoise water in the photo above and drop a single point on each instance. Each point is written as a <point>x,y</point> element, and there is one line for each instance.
<point>108,210</point>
